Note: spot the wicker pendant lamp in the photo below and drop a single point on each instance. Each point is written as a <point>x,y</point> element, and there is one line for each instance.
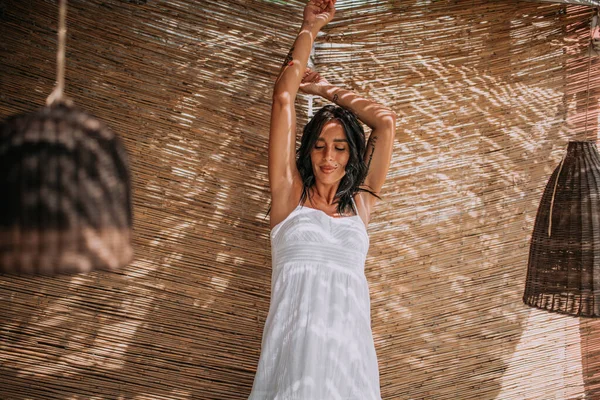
<point>563,273</point>
<point>564,260</point>
<point>65,205</point>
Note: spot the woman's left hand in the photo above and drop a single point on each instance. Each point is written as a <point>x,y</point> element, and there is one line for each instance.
<point>313,83</point>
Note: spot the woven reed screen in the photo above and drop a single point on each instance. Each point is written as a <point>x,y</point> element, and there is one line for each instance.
<point>487,93</point>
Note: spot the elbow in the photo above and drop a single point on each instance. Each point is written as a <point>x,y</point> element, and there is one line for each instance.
<point>283,97</point>
<point>392,117</point>
<point>387,120</point>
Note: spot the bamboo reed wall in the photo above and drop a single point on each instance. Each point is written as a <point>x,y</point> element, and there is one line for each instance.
<point>487,94</point>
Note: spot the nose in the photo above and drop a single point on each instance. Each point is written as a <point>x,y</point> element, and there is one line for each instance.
<point>328,153</point>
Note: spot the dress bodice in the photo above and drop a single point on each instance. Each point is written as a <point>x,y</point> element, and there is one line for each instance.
<point>311,234</point>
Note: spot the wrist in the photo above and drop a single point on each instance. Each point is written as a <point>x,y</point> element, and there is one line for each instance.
<point>330,92</point>
<point>311,27</point>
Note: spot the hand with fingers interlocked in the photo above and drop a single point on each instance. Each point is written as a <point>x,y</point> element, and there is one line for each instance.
<point>313,83</point>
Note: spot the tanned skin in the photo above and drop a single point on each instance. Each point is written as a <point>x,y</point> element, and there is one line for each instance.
<point>284,179</point>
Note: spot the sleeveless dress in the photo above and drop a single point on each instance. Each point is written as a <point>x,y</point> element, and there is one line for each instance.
<point>317,341</point>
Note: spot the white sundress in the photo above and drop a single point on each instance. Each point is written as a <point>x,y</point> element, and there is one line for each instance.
<point>317,341</point>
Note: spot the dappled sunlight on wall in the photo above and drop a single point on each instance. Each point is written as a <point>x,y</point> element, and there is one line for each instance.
<point>482,122</point>
<point>487,96</point>
<point>167,326</point>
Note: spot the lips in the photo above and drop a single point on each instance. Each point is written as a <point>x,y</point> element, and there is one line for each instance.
<point>327,170</point>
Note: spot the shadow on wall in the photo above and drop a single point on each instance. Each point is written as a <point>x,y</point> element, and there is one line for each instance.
<point>481,126</point>
<point>182,322</point>
<point>589,331</point>
<point>448,249</point>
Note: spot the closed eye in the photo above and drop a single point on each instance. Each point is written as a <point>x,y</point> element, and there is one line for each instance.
<point>337,148</point>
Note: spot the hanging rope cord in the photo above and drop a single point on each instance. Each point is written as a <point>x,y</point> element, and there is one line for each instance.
<point>57,94</point>
<point>587,102</point>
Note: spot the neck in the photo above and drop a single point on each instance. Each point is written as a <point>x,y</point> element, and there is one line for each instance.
<point>325,192</point>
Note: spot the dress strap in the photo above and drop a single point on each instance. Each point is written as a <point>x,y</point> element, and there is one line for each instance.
<point>354,204</point>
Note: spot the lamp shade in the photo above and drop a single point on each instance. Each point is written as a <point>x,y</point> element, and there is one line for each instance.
<point>563,273</point>
<point>65,202</point>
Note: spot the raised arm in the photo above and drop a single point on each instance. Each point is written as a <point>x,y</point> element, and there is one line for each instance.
<point>379,118</point>
<point>283,174</point>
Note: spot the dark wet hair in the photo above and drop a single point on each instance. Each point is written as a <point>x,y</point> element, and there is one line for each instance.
<point>356,168</point>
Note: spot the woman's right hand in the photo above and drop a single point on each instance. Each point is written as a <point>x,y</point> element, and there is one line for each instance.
<point>318,13</point>
<point>313,83</point>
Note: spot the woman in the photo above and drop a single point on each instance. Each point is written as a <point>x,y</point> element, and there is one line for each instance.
<point>317,340</point>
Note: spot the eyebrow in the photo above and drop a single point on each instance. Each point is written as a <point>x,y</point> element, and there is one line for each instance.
<point>335,140</point>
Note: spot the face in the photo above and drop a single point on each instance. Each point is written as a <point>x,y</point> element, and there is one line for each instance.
<point>330,154</point>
